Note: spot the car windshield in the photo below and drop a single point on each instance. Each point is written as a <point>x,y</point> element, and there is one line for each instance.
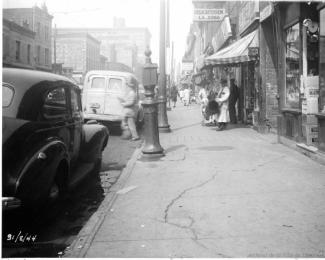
<point>7,95</point>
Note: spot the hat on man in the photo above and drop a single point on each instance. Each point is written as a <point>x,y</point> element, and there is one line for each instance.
<point>130,81</point>
<point>223,81</point>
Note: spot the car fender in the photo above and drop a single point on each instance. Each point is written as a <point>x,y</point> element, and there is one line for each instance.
<point>95,138</point>
<point>37,171</point>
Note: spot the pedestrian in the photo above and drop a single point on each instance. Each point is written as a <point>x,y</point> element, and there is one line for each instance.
<point>181,95</point>
<point>203,101</point>
<point>222,99</point>
<point>128,102</point>
<point>174,94</point>
<point>187,94</point>
<point>233,97</point>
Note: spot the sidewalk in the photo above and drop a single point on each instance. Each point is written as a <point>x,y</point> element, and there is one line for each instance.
<point>233,193</point>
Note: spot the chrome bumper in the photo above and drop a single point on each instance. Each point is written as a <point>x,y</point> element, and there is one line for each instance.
<point>9,203</point>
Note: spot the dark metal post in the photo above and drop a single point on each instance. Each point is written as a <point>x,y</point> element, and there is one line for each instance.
<point>162,100</point>
<point>152,147</point>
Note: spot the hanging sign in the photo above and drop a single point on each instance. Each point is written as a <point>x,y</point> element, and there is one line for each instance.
<point>266,12</point>
<point>208,15</point>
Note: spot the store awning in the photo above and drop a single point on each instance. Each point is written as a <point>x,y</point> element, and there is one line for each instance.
<point>237,52</point>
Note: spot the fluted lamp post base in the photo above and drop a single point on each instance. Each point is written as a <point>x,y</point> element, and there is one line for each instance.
<point>151,148</point>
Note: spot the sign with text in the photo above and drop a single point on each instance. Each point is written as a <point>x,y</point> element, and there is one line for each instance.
<point>187,66</point>
<point>208,15</point>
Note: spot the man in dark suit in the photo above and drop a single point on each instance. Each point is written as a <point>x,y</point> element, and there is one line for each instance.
<point>233,98</point>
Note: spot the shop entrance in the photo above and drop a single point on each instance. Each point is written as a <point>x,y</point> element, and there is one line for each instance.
<point>248,93</point>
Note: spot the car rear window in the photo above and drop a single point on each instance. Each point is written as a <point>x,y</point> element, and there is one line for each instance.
<point>98,83</point>
<point>115,84</point>
<point>7,95</point>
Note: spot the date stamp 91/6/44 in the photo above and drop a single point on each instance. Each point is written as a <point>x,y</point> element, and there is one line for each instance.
<point>21,238</point>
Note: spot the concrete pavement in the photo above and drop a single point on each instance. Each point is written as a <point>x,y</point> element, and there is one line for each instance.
<point>233,193</point>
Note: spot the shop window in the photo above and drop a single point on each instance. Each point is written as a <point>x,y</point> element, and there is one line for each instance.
<point>292,66</point>
<point>322,61</point>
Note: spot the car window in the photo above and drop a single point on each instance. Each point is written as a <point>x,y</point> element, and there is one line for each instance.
<point>98,83</point>
<point>75,104</point>
<point>115,84</point>
<point>55,105</point>
<point>7,95</point>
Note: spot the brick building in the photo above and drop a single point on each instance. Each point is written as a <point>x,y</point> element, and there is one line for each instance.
<point>39,21</point>
<point>17,46</point>
<point>77,50</point>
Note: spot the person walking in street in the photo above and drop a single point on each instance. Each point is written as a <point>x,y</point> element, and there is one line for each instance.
<point>187,94</point>
<point>203,101</point>
<point>174,94</point>
<point>128,102</point>
<point>233,97</point>
<point>222,99</point>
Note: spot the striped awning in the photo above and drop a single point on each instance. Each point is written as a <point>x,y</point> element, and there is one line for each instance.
<point>237,52</point>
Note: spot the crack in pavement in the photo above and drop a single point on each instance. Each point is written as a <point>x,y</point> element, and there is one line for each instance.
<point>190,226</point>
<point>182,194</point>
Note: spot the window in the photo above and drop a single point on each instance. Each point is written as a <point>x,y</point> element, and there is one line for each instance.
<point>38,57</point>
<point>46,31</point>
<point>47,56</point>
<point>75,105</point>
<point>55,106</point>
<point>17,50</point>
<point>322,61</point>
<point>7,95</point>
<point>292,66</point>
<point>28,53</point>
<point>115,84</point>
<point>38,29</point>
<point>98,83</point>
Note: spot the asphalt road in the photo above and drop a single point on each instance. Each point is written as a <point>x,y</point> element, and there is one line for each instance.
<point>54,229</point>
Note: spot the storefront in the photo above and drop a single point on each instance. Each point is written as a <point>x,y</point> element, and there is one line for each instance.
<point>240,61</point>
<point>300,72</point>
<point>321,114</point>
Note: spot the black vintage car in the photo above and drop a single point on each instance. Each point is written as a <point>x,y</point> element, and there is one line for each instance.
<point>47,148</point>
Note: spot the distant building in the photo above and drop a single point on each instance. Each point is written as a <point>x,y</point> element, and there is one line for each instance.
<point>17,46</point>
<point>119,44</point>
<point>39,21</point>
<point>79,51</point>
<point>103,62</point>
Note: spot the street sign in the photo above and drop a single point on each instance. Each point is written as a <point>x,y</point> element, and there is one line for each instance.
<point>208,15</point>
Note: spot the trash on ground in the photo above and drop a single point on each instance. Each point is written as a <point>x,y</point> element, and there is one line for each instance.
<point>126,190</point>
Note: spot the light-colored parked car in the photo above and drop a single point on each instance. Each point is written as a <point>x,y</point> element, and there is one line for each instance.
<point>101,96</point>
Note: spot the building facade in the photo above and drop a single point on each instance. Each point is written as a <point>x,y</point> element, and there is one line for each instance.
<point>79,51</point>
<point>39,21</point>
<point>280,70</point>
<point>120,44</point>
<point>17,46</point>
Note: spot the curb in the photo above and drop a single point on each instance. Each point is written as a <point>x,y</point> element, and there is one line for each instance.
<point>82,242</point>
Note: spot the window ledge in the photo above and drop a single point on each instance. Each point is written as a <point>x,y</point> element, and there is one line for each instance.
<point>320,115</point>
<point>291,110</point>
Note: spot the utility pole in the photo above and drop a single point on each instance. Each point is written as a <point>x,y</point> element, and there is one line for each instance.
<point>162,100</point>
